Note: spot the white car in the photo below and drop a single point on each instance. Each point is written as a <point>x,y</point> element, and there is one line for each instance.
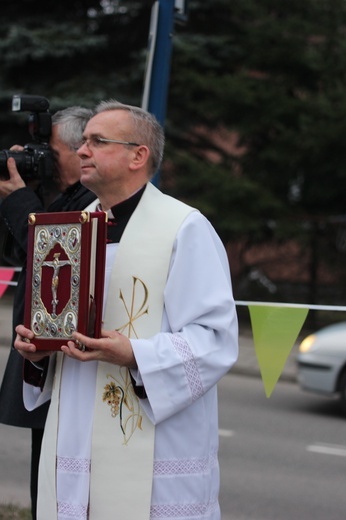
<point>321,362</point>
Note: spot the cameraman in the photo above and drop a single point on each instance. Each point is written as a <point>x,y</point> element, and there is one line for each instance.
<point>18,201</point>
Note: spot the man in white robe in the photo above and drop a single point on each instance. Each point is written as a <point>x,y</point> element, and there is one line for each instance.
<point>132,430</point>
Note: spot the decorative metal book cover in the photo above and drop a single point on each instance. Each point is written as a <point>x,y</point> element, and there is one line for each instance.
<point>65,251</point>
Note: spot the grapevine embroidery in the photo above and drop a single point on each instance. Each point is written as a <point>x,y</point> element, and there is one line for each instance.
<point>119,395</point>
<point>124,403</point>
<point>114,395</point>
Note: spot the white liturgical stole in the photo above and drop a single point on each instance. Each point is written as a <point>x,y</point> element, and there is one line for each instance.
<point>123,437</point>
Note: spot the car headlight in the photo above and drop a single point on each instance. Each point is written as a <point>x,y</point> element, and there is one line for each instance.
<point>307,343</point>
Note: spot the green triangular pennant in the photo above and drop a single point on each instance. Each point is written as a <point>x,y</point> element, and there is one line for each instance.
<point>275,330</point>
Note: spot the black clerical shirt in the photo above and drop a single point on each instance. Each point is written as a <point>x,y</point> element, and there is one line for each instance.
<point>121,215</point>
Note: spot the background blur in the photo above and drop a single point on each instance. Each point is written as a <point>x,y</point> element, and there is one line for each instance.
<point>255,120</point>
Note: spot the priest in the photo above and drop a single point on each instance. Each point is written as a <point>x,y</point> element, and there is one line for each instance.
<point>132,429</point>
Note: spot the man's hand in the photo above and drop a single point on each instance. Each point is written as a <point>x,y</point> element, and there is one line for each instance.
<point>24,346</point>
<point>15,182</point>
<point>113,347</point>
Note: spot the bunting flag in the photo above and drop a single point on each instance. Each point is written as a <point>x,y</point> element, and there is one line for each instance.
<point>6,275</point>
<point>275,330</point>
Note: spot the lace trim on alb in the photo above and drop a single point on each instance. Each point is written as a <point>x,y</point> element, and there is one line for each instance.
<point>69,465</point>
<point>190,366</point>
<point>197,511</point>
<point>185,466</point>
<point>73,511</point>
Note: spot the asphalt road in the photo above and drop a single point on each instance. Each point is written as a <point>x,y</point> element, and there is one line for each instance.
<point>255,432</point>
<point>281,458</point>
<point>15,442</point>
<point>15,465</point>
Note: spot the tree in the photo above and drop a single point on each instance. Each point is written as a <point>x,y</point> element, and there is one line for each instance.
<point>255,127</point>
<point>274,74</point>
<point>72,52</point>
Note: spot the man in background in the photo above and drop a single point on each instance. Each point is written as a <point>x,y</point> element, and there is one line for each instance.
<point>18,201</point>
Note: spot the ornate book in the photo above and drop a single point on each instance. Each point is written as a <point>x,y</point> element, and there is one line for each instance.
<point>65,276</point>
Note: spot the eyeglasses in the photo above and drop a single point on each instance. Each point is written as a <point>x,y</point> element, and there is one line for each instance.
<point>95,142</point>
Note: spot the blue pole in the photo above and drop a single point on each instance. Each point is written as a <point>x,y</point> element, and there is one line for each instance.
<point>159,81</point>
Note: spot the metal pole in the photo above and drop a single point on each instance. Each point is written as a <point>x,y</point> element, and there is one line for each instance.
<point>159,61</point>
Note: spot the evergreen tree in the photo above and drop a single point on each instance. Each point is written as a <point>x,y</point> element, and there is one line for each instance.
<point>72,52</point>
<point>274,73</point>
<point>255,119</point>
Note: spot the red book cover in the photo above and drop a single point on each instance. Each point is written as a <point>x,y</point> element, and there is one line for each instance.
<point>65,251</point>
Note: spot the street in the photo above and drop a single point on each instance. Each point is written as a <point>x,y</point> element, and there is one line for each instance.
<point>15,465</point>
<point>15,442</point>
<point>282,458</point>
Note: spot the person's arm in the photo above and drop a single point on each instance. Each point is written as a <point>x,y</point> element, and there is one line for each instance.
<point>198,342</point>
<point>199,339</point>
<point>18,201</point>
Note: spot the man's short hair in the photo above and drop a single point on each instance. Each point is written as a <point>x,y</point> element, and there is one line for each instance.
<point>146,129</point>
<point>72,122</point>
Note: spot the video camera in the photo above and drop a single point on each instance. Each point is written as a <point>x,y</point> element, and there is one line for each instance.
<point>36,161</point>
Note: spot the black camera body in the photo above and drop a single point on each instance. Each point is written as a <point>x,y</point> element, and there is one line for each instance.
<point>36,161</point>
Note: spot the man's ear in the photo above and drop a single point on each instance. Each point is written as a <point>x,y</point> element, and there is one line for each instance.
<point>140,157</point>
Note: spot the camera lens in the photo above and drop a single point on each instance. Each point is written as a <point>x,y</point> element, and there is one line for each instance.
<point>23,161</point>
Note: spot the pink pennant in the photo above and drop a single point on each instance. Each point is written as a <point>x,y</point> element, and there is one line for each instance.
<point>6,275</point>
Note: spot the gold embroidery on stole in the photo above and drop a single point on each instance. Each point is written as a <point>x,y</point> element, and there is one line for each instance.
<point>119,395</point>
<point>124,403</point>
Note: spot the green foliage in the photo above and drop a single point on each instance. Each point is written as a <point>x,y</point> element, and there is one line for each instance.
<point>222,196</point>
<point>272,73</point>
<point>76,52</point>
<point>275,73</point>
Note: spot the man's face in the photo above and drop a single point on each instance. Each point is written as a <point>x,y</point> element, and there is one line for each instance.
<point>66,160</point>
<point>105,166</point>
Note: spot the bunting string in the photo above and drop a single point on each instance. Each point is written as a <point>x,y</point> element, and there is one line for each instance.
<point>275,328</point>
<point>293,305</point>
<point>6,273</point>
